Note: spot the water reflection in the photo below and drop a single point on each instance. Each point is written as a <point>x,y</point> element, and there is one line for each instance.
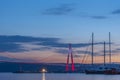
<point>43,76</point>
<point>43,73</point>
<point>56,76</point>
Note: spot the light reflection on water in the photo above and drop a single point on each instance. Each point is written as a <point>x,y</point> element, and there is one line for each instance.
<point>43,76</point>
<point>52,76</point>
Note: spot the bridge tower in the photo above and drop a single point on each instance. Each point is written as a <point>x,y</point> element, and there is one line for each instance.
<point>72,61</point>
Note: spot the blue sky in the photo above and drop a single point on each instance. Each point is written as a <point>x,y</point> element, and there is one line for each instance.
<point>70,20</point>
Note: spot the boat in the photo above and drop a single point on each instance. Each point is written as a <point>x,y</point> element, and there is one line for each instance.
<point>113,69</point>
<point>99,69</point>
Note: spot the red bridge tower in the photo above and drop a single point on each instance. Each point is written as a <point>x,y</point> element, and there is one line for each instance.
<point>72,62</point>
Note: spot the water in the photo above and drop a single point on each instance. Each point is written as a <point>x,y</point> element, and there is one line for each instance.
<point>51,76</point>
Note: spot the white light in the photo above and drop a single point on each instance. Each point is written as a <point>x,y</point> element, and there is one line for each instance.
<point>44,70</point>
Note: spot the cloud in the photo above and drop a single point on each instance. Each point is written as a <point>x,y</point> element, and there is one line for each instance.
<point>62,51</point>
<point>11,47</point>
<point>77,56</point>
<point>83,52</point>
<point>65,45</point>
<point>63,9</point>
<point>98,17</point>
<point>116,11</point>
<point>93,16</point>
<point>66,9</point>
<point>77,53</point>
<point>16,44</point>
<point>112,51</point>
<point>89,53</point>
<point>8,59</point>
<point>42,48</point>
<point>2,58</point>
<point>18,38</point>
<point>118,49</point>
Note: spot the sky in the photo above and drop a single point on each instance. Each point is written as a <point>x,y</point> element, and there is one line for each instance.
<point>40,30</point>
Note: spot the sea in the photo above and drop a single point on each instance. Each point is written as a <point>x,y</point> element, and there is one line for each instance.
<point>56,76</point>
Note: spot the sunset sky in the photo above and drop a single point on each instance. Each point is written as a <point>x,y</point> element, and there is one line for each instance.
<point>40,30</point>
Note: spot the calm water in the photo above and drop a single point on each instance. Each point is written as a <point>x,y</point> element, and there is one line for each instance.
<point>13,76</point>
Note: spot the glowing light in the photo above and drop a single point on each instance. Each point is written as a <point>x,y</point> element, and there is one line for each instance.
<point>44,70</point>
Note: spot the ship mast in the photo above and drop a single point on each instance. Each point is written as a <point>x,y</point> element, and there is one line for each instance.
<point>92,47</point>
<point>104,54</point>
<point>109,48</point>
